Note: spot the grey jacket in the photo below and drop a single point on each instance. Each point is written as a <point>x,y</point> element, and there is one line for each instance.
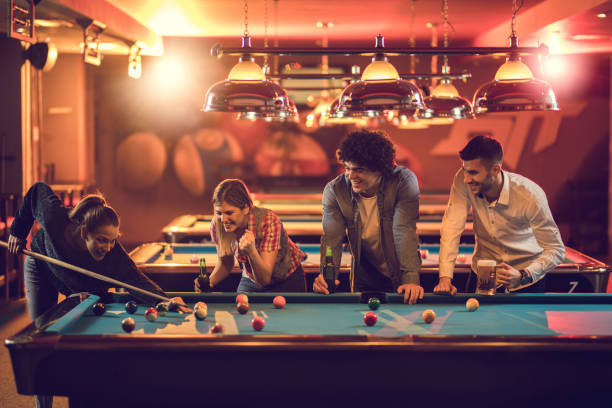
<point>398,207</point>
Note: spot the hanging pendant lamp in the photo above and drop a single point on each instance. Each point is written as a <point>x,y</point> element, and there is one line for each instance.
<point>247,91</point>
<point>380,90</point>
<point>514,87</point>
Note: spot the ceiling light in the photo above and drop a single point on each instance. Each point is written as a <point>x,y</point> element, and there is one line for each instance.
<point>514,87</point>
<point>445,103</point>
<point>379,90</point>
<point>602,15</point>
<point>246,90</point>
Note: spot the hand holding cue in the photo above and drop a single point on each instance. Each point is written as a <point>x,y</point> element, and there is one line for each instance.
<point>93,274</point>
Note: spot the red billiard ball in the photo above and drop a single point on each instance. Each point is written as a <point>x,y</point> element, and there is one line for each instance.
<point>279,302</point>
<point>128,324</point>
<point>242,298</point>
<point>242,307</point>
<point>151,314</point>
<point>370,318</point>
<point>217,328</point>
<point>258,323</point>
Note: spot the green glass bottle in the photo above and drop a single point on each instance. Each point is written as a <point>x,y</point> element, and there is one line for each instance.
<point>329,271</point>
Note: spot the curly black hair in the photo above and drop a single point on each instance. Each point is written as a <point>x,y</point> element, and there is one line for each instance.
<point>371,149</point>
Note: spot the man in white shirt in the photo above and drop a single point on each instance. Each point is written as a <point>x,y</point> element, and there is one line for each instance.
<point>513,224</point>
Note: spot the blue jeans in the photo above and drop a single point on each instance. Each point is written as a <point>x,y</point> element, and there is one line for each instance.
<point>296,282</point>
<point>40,291</point>
<point>41,296</point>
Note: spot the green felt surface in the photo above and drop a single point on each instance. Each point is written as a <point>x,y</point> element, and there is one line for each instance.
<point>308,314</point>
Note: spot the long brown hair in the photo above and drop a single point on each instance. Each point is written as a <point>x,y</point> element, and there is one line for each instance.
<point>233,192</point>
<point>93,212</point>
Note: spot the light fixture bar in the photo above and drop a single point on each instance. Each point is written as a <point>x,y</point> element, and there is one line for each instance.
<point>218,51</point>
<point>348,77</point>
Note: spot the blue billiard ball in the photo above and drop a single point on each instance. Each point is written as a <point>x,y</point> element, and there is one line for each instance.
<point>131,307</point>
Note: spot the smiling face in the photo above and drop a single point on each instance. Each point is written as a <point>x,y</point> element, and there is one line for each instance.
<point>363,180</point>
<point>100,241</point>
<point>479,177</point>
<point>232,218</point>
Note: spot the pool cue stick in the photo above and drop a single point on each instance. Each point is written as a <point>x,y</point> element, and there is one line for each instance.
<point>91,274</point>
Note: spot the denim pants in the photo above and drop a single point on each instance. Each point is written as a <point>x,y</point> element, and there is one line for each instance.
<point>40,291</point>
<point>41,296</point>
<point>294,283</point>
<point>369,279</point>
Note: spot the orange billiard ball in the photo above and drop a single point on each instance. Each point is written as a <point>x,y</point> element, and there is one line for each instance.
<point>472,304</point>
<point>279,302</point>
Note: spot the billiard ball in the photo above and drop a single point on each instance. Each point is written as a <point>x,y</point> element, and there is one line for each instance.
<point>242,298</point>
<point>461,259</point>
<point>151,314</point>
<point>424,253</point>
<point>279,302</point>
<point>428,316</point>
<point>162,308</point>
<point>98,308</point>
<point>128,324</point>
<point>472,304</point>
<point>194,259</point>
<point>217,328</point>
<point>242,307</point>
<point>370,318</point>
<point>373,303</point>
<point>201,311</point>
<point>173,306</point>
<point>258,323</point>
<point>131,307</point>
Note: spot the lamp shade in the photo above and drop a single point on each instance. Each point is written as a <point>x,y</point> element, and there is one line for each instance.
<point>379,70</point>
<point>514,89</point>
<point>512,96</point>
<point>373,98</point>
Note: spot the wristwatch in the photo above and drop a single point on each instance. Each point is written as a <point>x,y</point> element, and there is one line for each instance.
<point>526,278</point>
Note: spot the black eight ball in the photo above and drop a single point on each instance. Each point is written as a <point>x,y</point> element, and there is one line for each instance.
<point>131,307</point>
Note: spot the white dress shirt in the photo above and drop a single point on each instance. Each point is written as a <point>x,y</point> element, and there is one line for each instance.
<point>517,228</point>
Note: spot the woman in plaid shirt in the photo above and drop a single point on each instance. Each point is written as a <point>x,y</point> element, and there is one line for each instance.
<point>254,236</point>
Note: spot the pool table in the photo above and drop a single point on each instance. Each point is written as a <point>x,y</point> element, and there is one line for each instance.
<point>301,228</point>
<point>522,350</point>
<point>310,203</point>
<point>578,272</point>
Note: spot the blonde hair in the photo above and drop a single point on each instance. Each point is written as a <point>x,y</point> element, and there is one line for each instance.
<point>233,192</point>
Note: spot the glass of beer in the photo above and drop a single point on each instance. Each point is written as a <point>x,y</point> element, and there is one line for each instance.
<point>486,284</point>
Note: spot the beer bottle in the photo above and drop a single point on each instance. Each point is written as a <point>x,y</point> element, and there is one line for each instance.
<point>203,277</point>
<point>329,271</point>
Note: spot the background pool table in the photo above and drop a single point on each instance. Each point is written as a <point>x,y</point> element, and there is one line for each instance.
<point>321,342</point>
<point>301,228</point>
<point>431,205</point>
<point>578,273</point>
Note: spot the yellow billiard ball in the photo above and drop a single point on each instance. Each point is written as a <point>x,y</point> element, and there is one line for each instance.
<point>428,316</point>
<point>472,304</point>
